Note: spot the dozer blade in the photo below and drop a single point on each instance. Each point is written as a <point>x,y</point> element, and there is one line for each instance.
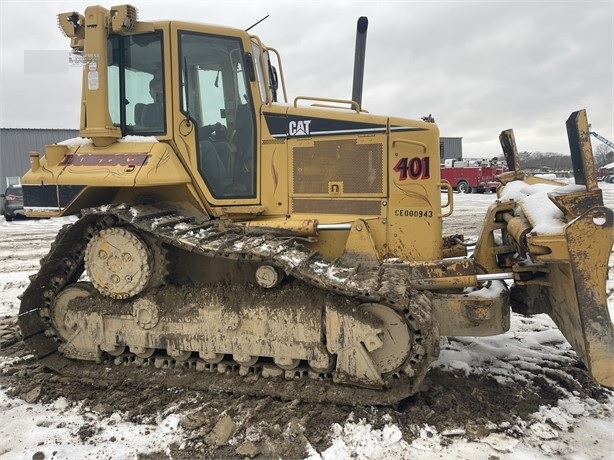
<point>590,239</point>
<point>578,302</point>
<point>575,292</point>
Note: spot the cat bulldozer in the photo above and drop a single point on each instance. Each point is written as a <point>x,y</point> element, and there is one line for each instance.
<point>229,241</point>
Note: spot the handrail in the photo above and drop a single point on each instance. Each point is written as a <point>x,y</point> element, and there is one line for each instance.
<point>445,184</point>
<point>281,73</point>
<point>354,105</point>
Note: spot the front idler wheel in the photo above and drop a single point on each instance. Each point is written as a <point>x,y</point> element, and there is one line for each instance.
<point>64,319</point>
<point>396,338</point>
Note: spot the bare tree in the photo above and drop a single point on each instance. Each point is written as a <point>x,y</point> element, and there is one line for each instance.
<point>603,155</point>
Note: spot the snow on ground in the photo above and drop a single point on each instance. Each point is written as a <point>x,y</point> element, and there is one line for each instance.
<point>58,430</point>
<point>575,428</point>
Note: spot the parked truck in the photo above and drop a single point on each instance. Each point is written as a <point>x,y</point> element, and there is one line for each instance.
<point>467,176</point>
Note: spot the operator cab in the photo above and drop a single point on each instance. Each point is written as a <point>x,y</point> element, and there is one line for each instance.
<point>214,96</point>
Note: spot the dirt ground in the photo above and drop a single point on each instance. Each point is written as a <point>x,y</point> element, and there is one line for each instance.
<point>266,427</point>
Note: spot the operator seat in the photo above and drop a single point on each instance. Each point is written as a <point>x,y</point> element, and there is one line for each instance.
<point>212,168</point>
<point>149,115</point>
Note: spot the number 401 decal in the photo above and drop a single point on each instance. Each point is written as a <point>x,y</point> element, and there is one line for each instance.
<point>414,168</point>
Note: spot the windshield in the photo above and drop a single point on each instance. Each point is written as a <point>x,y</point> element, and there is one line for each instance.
<point>136,83</point>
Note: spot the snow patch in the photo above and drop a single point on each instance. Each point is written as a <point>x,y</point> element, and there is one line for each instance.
<point>545,217</point>
<point>500,442</point>
<point>57,423</point>
<point>492,290</point>
<point>361,441</point>
<point>75,142</point>
<point>137,140</point>
<point>79,141</point>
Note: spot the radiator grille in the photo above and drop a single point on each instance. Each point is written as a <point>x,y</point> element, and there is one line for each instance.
<point>337,206</point>
<point>358,167</point>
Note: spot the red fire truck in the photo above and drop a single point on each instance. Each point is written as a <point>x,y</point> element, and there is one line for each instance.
<point>471,176</point>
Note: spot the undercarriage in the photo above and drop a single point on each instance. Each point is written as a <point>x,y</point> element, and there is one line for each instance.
<point>207,305</point>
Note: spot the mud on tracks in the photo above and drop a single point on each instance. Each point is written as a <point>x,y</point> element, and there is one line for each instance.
<point>474,405</point>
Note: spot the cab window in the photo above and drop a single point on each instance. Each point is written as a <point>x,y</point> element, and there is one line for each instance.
<point>136,83</point>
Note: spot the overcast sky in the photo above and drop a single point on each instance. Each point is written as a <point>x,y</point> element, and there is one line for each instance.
<point>477,66</point>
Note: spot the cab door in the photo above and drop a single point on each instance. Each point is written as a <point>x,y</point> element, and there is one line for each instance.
<point>216,121</point>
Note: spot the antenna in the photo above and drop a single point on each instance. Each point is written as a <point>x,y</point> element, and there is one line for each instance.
<point>256,23</point>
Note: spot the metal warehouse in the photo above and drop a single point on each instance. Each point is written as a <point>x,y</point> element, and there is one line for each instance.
<point>16,145</point>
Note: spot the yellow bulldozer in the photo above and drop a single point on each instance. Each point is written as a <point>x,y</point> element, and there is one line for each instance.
<point>230,241</point>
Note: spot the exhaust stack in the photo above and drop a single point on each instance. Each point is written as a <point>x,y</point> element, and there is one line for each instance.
<point>359,59</point>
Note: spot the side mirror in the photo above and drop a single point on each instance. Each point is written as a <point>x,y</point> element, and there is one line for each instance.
<point>274,82</point>
<point>249,67</point>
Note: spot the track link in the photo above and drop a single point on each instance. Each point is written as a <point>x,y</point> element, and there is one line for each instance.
<point>384,284</point>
